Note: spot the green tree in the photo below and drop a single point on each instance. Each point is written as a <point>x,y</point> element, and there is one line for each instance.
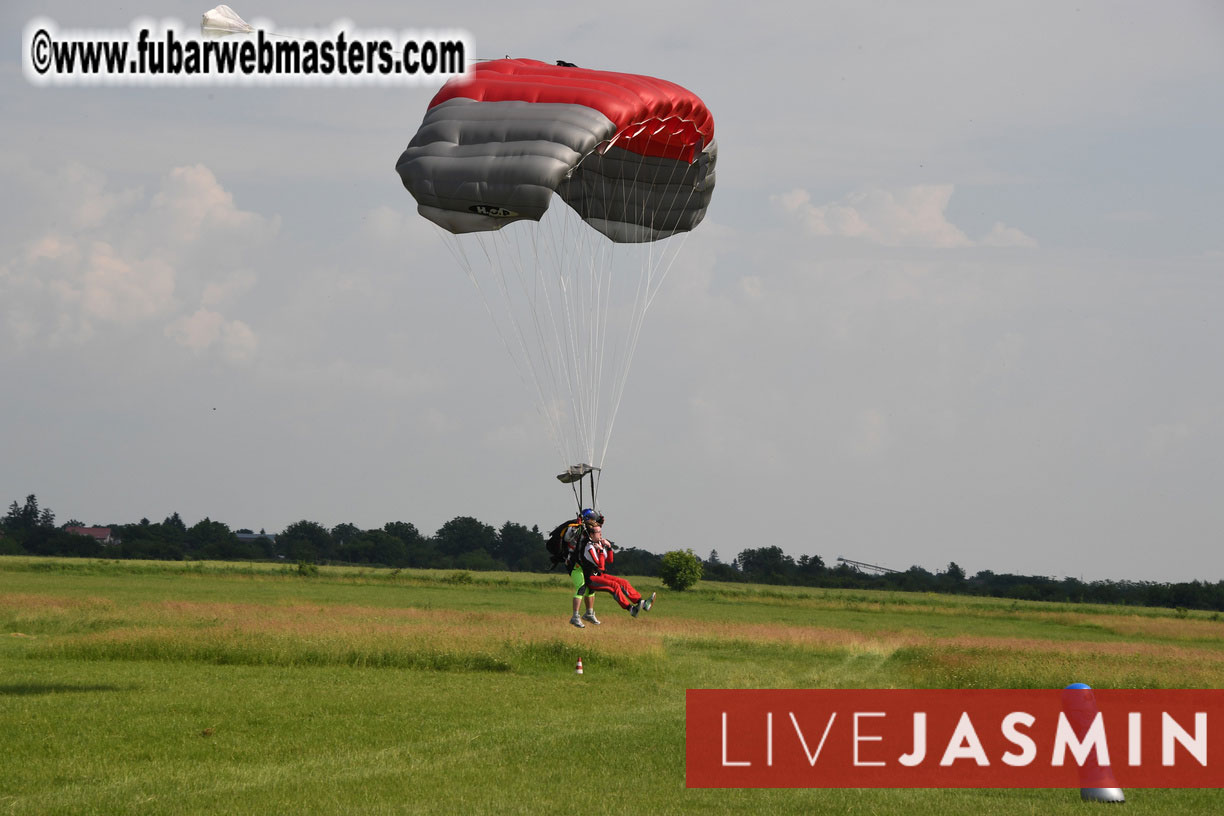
<point>520,548</point>
<point>214,540</point>
<point>768,565</point>
<point>145,540</point>
<point>23,518</point>
<point>9,545</point>
<point>635,561</point>
<point>809,568</point>
<point>341,536</point>
<point>306,541</point>
<point>680,569</point>
<point>952,579</point>
<point>713,569</point>
<point>373,547</point>
<point>174,526</point>
<point>462,535</point>
<point>12,518</point>
<point>419,551</point>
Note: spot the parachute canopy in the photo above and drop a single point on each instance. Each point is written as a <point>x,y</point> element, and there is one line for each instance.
<point>633,155</point>
<point>631,159</point>
<point>223,21</point>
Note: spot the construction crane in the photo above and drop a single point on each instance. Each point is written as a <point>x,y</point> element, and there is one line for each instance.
<point>860,565</point>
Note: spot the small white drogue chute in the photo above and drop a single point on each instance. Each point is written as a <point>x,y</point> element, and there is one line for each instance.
<point>223,21</point>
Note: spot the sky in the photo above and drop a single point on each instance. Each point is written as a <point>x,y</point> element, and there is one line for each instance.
<point>957,296</point>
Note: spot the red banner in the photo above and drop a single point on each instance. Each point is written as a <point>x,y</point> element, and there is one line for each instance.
<point>954,738</point>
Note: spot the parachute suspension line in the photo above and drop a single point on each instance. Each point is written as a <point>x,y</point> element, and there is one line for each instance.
<point>601,277</point>
<point>545,368</point>
<point>524,363</point>
<point>567,239</point>
<point>551,274</point>
<point>547,330</point>
<point>622,355</point>
<point>570,305</point>
<point>586,311</point>
<point>587,306</point>
<point>545,320</point>
<point>567,276</point>
<point>582,315</point>
<point>604,282</point>
<point>650,286</point>
<point>692,188</point>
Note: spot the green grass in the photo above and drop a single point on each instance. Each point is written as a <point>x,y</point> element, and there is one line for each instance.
<point>166,688</point>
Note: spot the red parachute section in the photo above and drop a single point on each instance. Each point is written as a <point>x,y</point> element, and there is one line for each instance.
<point>653,117</point>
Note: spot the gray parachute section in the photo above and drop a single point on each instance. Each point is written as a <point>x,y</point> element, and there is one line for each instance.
<point>477,166</point>
<point>633,199</point>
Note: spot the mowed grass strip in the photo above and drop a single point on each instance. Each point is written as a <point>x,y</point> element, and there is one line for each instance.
<point>127,737</point>
<point>261,691</point>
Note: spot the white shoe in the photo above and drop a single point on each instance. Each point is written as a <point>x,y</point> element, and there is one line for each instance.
<point>633,610</point>
<point>577,621</point>
<point>649,602</point>
<point>591,617</point>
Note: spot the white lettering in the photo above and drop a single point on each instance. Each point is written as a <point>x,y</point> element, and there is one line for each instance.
<point>1171,732</point>
<point>1094,738</point>
<point>1134,745</point>
<point>813,757</point>
<point>916,756</point>
<point>769,739</point>
<point>858,739</point>
<point>1011,731</point>
<point>726,762</point>
<point>964,744</point>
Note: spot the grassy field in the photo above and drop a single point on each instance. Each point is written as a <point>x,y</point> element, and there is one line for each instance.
<point>150,687</point>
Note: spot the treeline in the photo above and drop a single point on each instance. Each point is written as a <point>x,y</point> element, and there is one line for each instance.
<point>770,565</point>
<point>461,543</point>
<point>468,544</point>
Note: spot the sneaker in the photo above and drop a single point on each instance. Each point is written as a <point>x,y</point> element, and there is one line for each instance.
<point>633,610</point>
<point>577,621</point>
<point>591,617</point>
<point>649,602</point>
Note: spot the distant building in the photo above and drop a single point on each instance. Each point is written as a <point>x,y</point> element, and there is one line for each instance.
<point>101,534</point>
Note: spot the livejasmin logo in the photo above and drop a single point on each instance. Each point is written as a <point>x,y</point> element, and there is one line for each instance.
<point>954,738</point>
<point>966,744</point>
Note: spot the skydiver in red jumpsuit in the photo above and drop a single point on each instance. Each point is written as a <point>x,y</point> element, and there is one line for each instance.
<point>596,556</point>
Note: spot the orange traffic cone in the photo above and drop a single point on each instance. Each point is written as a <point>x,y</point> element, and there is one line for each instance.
<point>578,668</point>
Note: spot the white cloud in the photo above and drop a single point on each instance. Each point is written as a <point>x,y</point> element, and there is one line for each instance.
<point>205,328</point>
<point>192,205</point>
<point>398,226</point>
<point>81,193</point>
<point>198,331</point>
<point>115,289</point>
<point>229,287</point>
<point>905,217</point>
<point>131,261</point>
<point>1001,235</point>
<point>238,341</point>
